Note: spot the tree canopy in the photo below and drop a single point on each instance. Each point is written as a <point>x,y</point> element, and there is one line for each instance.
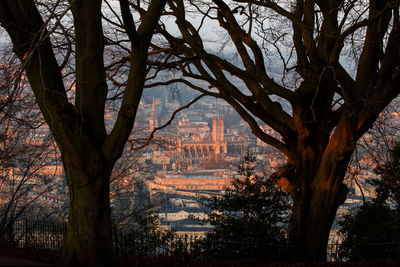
<point>339,68</point>
<point>69,50</point>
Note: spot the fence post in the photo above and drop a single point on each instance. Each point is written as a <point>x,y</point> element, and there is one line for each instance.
<point>186,244</point>
<point>26,235</point>
<point>116,243</point>
<point>9,235</point>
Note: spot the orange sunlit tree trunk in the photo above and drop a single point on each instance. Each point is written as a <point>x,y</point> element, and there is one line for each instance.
<point>77,123</point>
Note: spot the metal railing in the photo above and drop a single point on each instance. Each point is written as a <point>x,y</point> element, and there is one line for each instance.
<point>47,238</point>
<point>37,235</point>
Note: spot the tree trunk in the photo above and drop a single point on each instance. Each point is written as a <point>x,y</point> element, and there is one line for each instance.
<point>315,205</point>
<point>89,234</point>
<point>310,226</point>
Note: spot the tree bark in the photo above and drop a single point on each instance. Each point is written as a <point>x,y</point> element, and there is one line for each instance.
<point>318,191</point>
<point>89,239</point>
<point>312,216</point>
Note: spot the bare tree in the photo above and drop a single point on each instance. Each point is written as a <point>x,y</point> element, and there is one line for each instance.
<point>22,157</point>
<point>69,81</point>
<point>338,70</point>
<point>374,148</point>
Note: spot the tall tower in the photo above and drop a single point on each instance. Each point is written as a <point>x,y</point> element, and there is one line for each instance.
<point>217,136</point>
<point>153,122</point>
<point>221,138</point>
<point>214,130</point>
<point>220,128</point>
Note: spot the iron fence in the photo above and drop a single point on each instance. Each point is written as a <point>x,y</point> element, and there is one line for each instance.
<point>37,235</point>
<point>48,237</point>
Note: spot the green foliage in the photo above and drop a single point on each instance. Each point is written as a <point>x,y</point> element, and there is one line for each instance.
<point>372,231</point>
<point>250,219</point>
